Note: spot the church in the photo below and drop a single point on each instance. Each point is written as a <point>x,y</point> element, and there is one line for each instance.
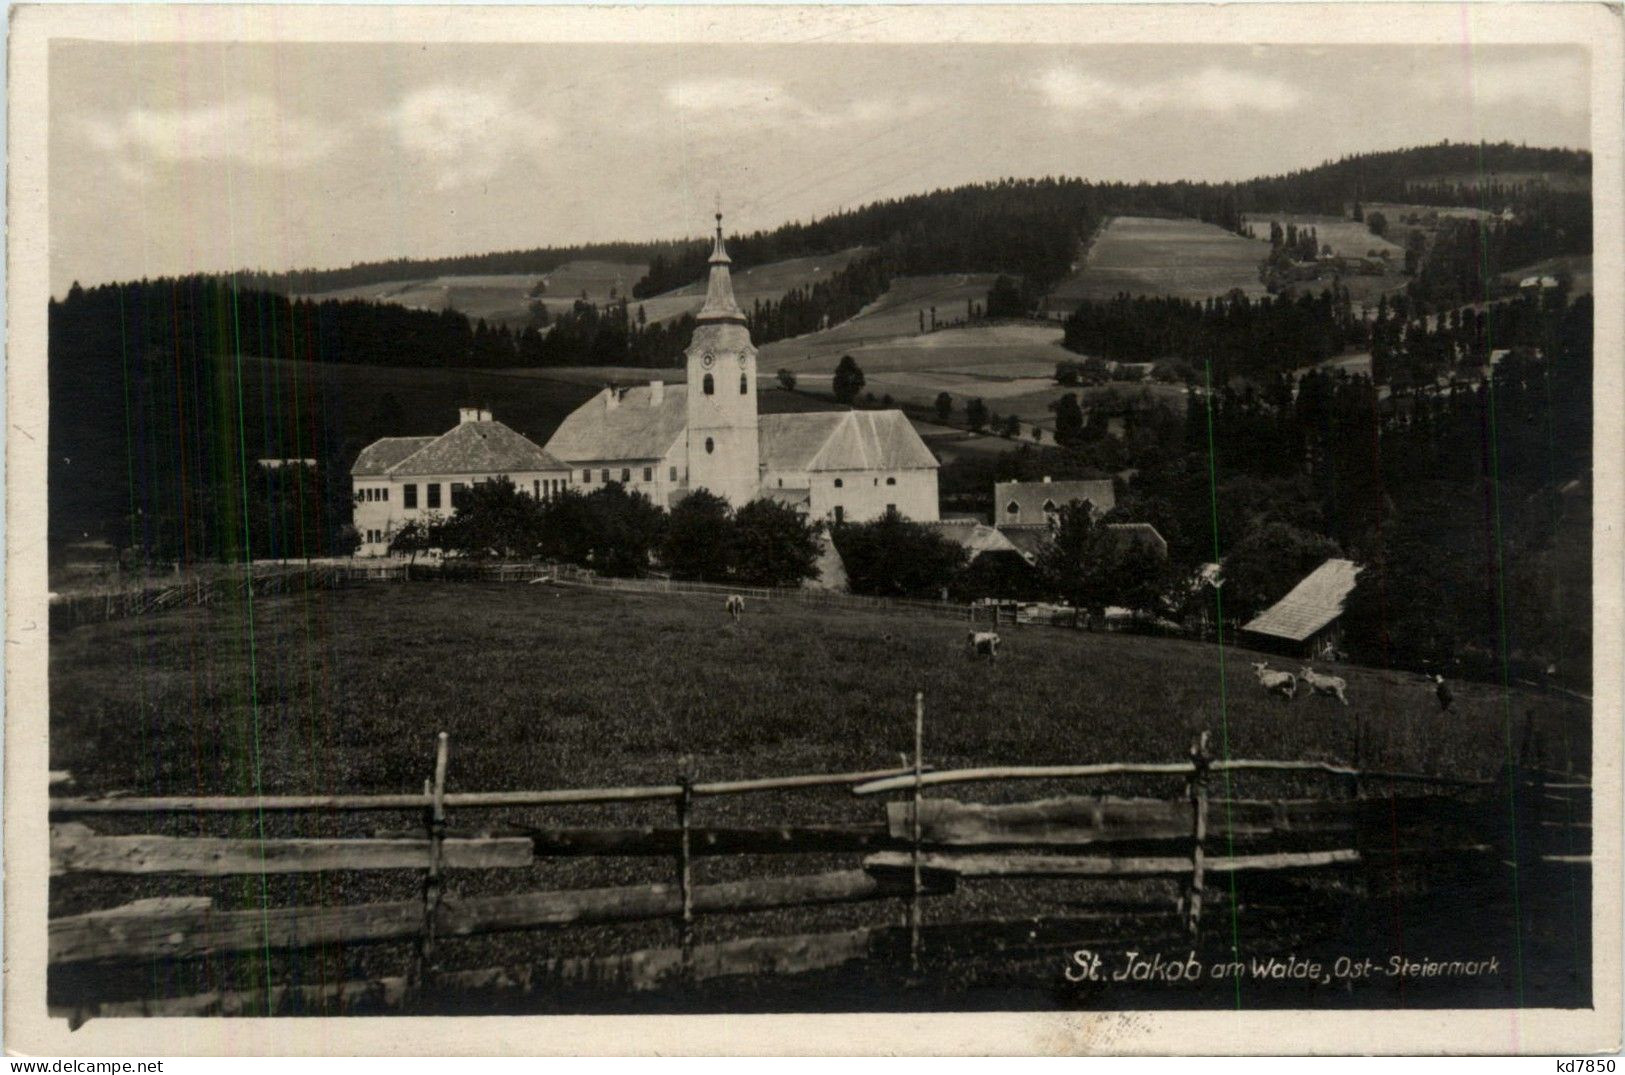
<point>666,440</point>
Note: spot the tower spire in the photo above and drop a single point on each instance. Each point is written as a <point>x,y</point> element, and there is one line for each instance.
<point>719,291</point>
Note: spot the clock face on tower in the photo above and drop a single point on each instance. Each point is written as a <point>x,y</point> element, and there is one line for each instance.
<point>707,360</point>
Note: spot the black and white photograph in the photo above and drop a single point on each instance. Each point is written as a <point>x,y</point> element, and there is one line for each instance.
<point>812,512</point>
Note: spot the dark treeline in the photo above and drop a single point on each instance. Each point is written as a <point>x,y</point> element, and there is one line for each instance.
<point>1239,336</point>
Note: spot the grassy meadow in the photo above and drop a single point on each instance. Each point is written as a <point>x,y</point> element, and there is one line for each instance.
<point>543,687</point>
<point>1155,256</point>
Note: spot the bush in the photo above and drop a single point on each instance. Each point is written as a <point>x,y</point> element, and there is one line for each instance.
<point>698,538</point>
<point>774,545</point>
<point>848,380</point>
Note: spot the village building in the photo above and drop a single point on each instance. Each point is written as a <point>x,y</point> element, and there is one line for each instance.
<point>666,440</point>
<point>1306,622</point>
<point>1019,504</point>
<point>396,480</point>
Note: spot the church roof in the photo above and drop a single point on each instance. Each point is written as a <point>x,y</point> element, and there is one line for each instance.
<point>842,440</point>
<point>719,290</point>
<point>636,427</point>
<point>485,447</point>
<point>376,458</point>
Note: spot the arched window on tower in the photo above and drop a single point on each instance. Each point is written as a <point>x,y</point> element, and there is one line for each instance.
<point>744,386</point>
<point>709,385</point>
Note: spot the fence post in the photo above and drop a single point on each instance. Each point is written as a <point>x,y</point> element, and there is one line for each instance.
<point>436,790</point>
<point>685,865</point>
<point>914,825</point>
<point>1200,760</point>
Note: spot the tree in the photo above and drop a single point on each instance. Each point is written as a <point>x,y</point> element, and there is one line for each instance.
<point>1076,562</point>
<point>1067,374</point>
<point>848,380</point>
<point>624,527</point>
<point>774,545</point>
<point>1268,562</point>
<point>1004,300</point>
<point>1377,224</point>
<point>893,557</point>
<point>976,413</point>
<point>1068,419</point>
<point>698,540</point>
<point>787,380</point>
<point>414,537</point>
<point>1012,425</point>
<point>945,405</point>
<point>493,519</point>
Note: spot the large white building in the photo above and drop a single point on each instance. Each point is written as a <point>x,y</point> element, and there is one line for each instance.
<point>399,479</point>
<point>665,440</point>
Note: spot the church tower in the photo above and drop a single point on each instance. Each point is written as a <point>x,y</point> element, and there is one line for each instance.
<point>723,449</point>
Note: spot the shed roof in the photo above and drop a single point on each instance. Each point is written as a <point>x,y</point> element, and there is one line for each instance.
<point>1312,604</point>
<point>376,458</point>
<point>636,427</point>
<point>1138,535</point>
<point>973,536</point>
<point>842,440</point>
<point>1030,498</point>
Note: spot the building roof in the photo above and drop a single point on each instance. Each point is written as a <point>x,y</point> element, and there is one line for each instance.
<point>842,440</point>
<point>1312,603</point>
<point>636,427</point>
<point>1030,498</point>
<point>477,447</point>
<point>974,537</point>
<point>1143,536</point>
<point>719,292</point>
<point>1029,540</point>
<point>376,458</point>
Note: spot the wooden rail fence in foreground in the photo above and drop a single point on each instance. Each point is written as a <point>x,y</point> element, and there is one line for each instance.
<point>916,848</point>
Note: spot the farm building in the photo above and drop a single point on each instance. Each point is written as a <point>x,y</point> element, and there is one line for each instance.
<point>994,566</point>
<point>398,479</point>
<point>1305,622</point>
<point>843,466</point>
<point>1018,504</point>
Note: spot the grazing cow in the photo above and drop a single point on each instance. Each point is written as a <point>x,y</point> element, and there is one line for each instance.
<point>1319,684</point>
<point>980,642</point>
<point>1283,683</point>
<point>1441,691</point>
<point>735,606</point>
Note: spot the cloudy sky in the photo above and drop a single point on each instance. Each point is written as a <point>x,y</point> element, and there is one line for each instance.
<point>175,158</point>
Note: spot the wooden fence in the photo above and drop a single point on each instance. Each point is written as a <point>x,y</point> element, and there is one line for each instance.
<point>915,848</point>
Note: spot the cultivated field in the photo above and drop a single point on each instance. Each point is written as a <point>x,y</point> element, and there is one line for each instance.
<point>1156,256</point>
<point>1347,238</point>
<point>549,688</point>
<point>891,321</point>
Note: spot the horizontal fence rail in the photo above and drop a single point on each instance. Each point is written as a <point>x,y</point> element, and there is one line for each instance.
<point>911,849</point>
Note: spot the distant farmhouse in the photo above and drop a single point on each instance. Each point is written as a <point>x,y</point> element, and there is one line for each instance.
<point>1026,514</point>
<point>666,440</point>
<point>1305,623</point>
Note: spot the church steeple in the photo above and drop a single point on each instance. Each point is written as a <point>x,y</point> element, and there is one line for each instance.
<point>720,306</point>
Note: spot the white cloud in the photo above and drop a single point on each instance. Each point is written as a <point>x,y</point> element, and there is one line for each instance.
<point>750,102</point>
<point>464,135</point>
<point>1216,90</point>
<point>250,130</point>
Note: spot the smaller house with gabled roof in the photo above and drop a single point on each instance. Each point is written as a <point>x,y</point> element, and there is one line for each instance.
<point>1019,504</point>
<point>1305,623</point>
<point>396,480</point>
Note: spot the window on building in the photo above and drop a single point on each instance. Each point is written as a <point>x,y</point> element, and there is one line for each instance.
<point>626,475</point>
<point>744,385</point>
<point>648,474</point>
<point>536,488</point>
<point>840,514</point>
<point>434,494</point>
<point>839,483</point>
<point>709,385</point>
<point>459,494</point>
<point>586,477</point>
<point>781,483</point>
<point>710,445</point>
<point>1049,506</point>
<point>603,475</point>
<point>673,473</point>
<point>409,495</point>
<point>1013,508</point>
<point>385,492</point>
<point>891,481</point>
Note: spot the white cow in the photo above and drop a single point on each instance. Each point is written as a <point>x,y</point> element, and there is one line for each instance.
<point>735,606</point>
<point>1319,684</point>
<point>979,642</point>
<point>1283,683</point>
